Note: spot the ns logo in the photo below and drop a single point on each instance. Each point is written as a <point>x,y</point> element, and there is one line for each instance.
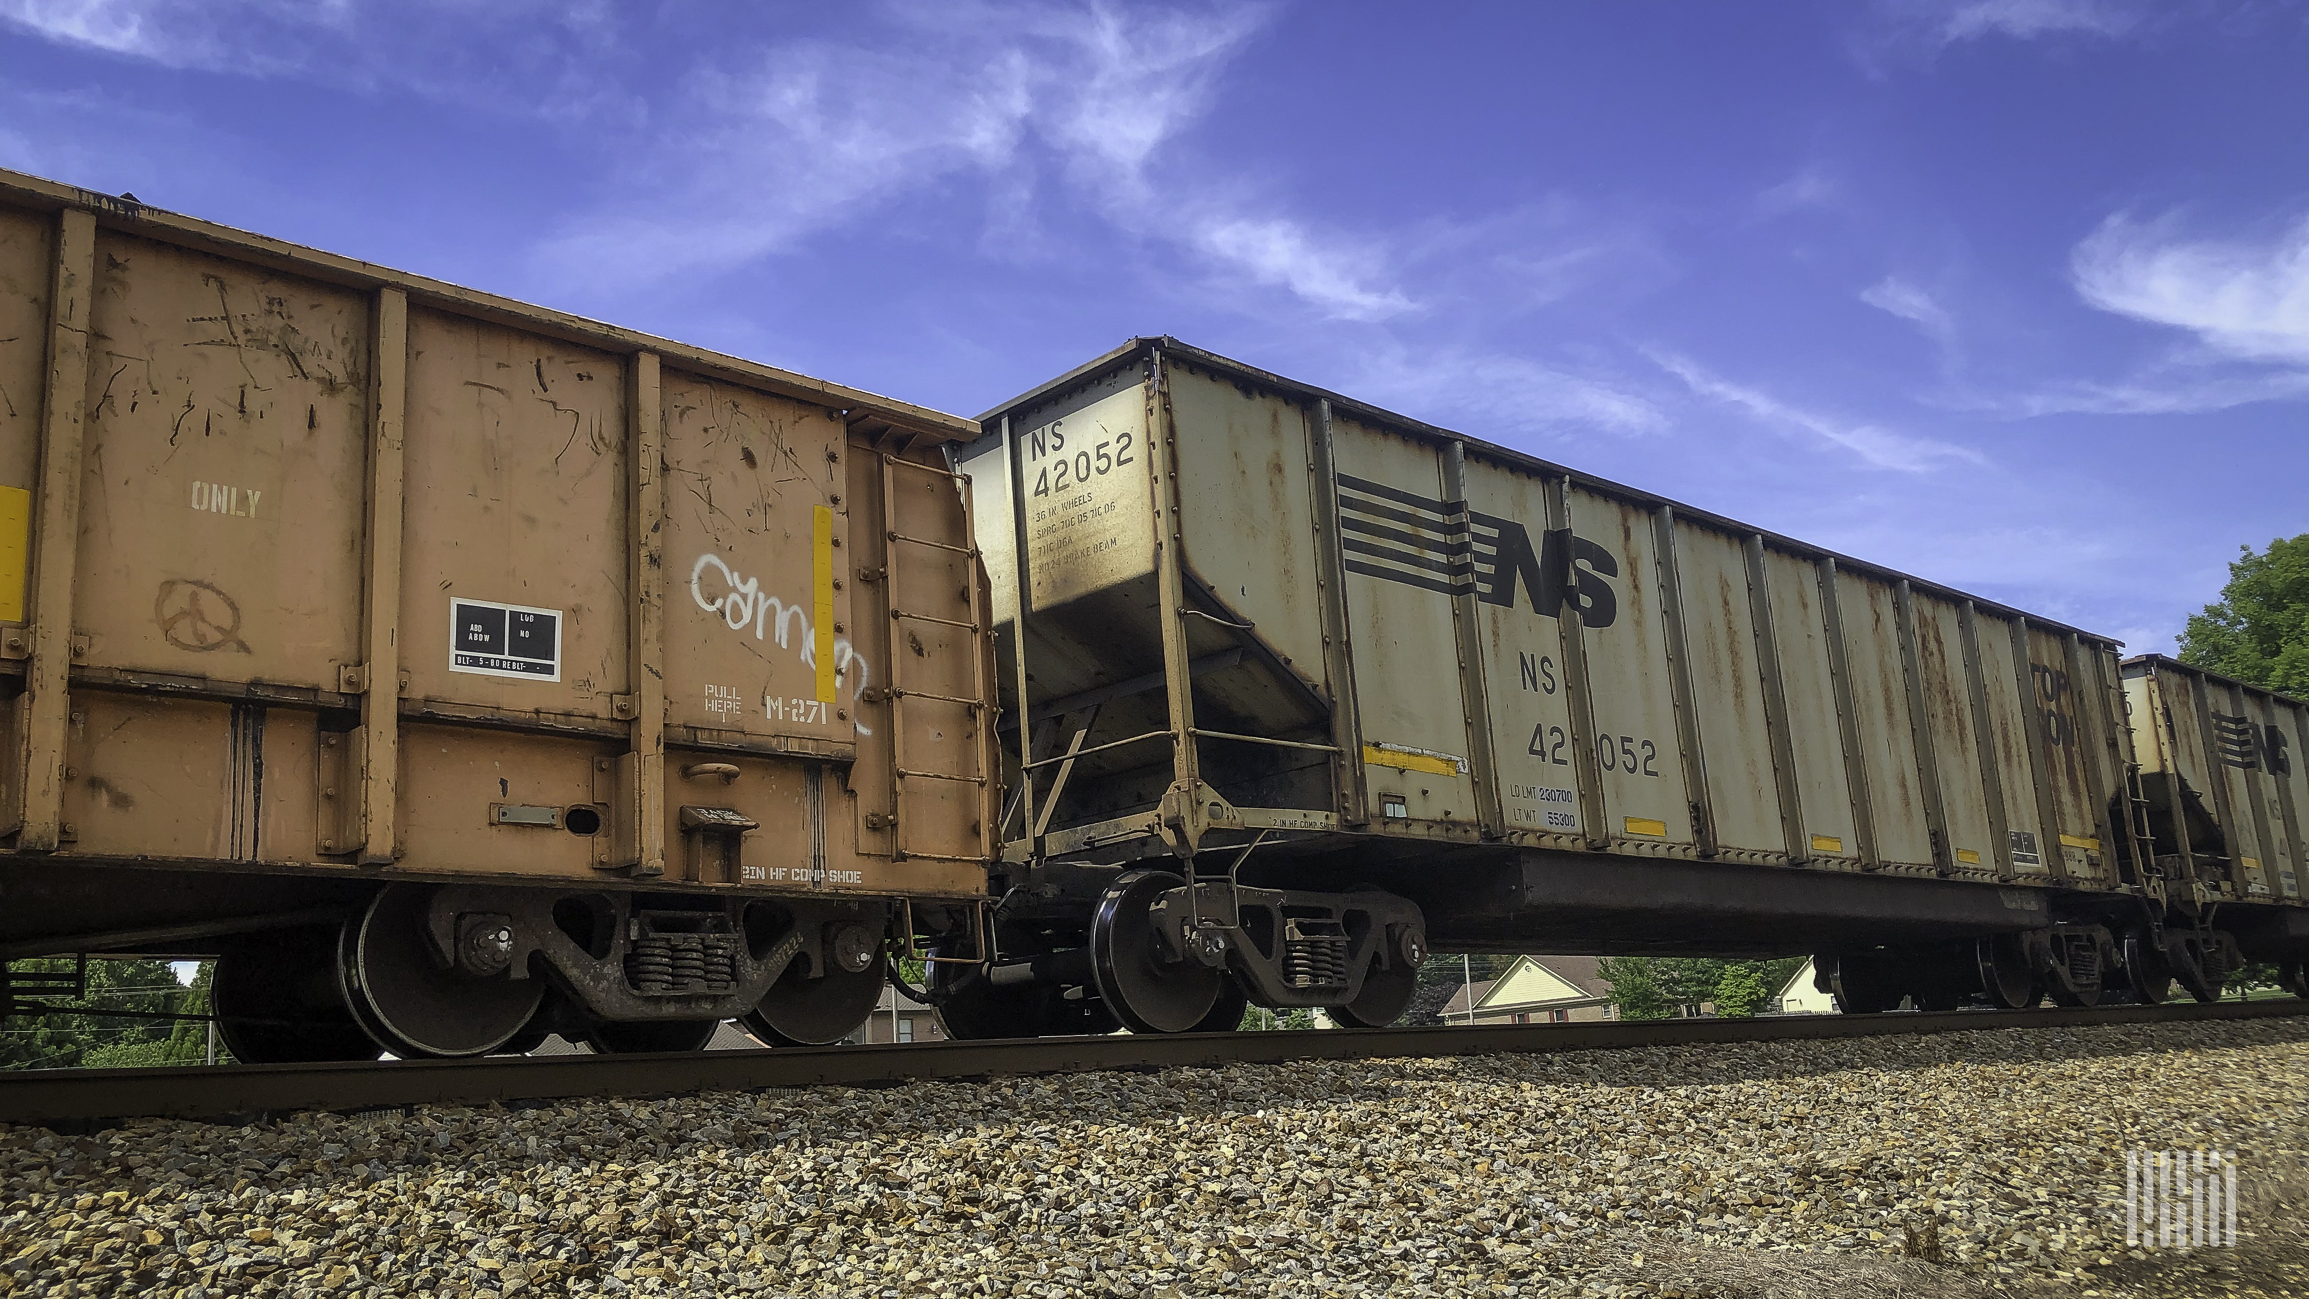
<point>1444,546</point>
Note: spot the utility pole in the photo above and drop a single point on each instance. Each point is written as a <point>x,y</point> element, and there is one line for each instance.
<point>1467,976</point>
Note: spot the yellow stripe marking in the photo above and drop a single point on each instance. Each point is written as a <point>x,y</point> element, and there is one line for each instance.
<point>1645,826</point>
<point>15,550</point>
<point>1968,856</point>
<point>1379,757</point>
<point>2079,841</point>
<point>822,626</point>
<point>1827,843</point>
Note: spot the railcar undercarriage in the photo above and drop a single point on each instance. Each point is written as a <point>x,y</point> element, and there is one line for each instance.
<point>311,970</point>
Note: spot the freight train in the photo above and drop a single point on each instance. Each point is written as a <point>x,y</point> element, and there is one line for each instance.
<point>1168,687</point>
<point>1303,689</point>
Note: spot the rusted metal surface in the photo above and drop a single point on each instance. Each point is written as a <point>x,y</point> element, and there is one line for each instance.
<point>307,565</point>
<point>1642,680</point>
<point>245,1092</point>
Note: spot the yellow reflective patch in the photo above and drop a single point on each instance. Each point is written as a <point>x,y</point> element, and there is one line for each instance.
<point>1646,826</point>
<point>1968,856</point>
<point>15,550</point>
<point>1827,843</point>
<point>822,627</point>
<point>2079,841</point>
<point>1379,757</point>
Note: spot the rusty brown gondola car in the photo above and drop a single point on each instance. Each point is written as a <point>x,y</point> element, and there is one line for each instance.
<point>1296,688</point>
<point>454,669</point>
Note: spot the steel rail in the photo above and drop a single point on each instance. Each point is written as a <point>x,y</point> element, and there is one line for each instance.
<point>243,1092</point>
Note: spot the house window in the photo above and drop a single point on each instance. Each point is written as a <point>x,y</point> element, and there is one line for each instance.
<point>1394,805</point>
<point>1559,1016</point>
<point>906,1028</point>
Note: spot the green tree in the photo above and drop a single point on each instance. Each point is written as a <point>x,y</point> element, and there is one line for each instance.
<point>74,1037</point>
<point>1741,989</point>
<point>1687,980</point>
<point>1635,987</point>
<point>2258,630</point>
<point>2250,975</point>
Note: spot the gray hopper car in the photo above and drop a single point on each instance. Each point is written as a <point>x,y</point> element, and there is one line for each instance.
<point>1295,688</point>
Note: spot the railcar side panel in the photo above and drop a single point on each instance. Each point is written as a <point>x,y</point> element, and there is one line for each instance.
<point>1536,737</point>
<point>2024,849</point>
<point>757,627</point>
<point>1615,590</point>
<point>2060,700</point>
<point>1245,505</point>
<point>1887,729</point>
<point>1405,554</point>
<point>1947,692</point>
<point>1728,695</point>
<point>516,500</point>
<point>220,511</point>
<point>1807,672</point>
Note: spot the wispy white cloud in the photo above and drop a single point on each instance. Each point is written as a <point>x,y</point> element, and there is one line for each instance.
<point>781,143</point>
<point>1489,393</point>
<point>2028,19</point>
<point>1913,304</point>
<point>2158,393</point>
<point>2238,309</point>
<point>2246,299</point>
<point>1916,32</point>
<point>1879,447</point>
<point>450,50</point>
<point>766,143</point>
<point>1936,24</point>
<point>1810,187</point>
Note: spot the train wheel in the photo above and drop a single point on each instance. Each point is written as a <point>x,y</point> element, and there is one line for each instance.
<point>1145,987</point>
<point>2204,975</point>
<point>2146,976</point>
<point>799,1011</point>
<point>1861,986</point>
<point>2005,974</point>
<point>278,1001</point>
<point>644,1036</point>
<point>1385,996</point>
<point>416,1007</point>
<point>1227,1012</point>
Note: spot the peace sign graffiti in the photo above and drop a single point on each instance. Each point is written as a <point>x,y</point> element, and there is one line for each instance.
<point>197,616</point>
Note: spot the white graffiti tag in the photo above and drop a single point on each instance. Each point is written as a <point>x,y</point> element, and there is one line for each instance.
<point>743,604</point>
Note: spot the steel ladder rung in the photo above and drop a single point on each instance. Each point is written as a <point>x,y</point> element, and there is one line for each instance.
<point>943,775</point>
<point>896,693</point>
<point>971,551</point>
<point>898,614</point>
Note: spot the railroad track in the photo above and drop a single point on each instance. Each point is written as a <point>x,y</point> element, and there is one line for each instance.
<point>93,1097</point>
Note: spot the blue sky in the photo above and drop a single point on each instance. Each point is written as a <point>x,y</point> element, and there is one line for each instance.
<point>2011,294</point>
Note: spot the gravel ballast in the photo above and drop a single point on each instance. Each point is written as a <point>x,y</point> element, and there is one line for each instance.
<point>1960,1164</point>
